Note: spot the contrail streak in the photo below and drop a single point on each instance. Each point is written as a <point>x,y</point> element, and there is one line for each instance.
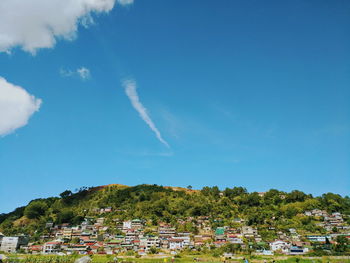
<point>130,90</point>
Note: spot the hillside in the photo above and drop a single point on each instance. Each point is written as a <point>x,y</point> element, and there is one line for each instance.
<point>274,209</point>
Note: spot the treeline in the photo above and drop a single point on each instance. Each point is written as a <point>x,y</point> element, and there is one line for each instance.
<point>273,210</point>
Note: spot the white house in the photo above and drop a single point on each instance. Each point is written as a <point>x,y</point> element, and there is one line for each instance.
<point>280,245</point>
<point>51,247</point>
<point>126,224</point>
<point>152,242</point>
<point>179,242</point>
<point>176,243</point>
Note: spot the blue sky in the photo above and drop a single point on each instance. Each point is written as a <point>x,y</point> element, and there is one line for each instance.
<point>246,93</point>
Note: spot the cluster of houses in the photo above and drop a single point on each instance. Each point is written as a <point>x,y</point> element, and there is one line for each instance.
<point>93,236</point>
<point>330,222</point>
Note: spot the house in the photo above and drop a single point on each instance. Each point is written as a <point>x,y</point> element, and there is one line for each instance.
<point>220,234</point>
<point>317,238</point>
<point>200,240</point>
<point>100,221</point>
<point>87,223</point>
<point>52,247</point>
<point>105,210</point>
<point>176,243</point>
<point>248,231</point>
<point>319,213</point>
<point>292,231</point>
<point>238,220</point>
<point>94,248</point>
<point>131,235</point>
<point>152,242</point>
<point>220,243</point>
<point>136,244</point>
<point>11,244</point>
<point>136,224</point>
<point>35,249</point>
<point>179,242</point>
<point>77,248</point>
<point>280,245</point>
<point>166,231</point>
<point>234,239</point>
<point>308,213</point>
<point>67,233</point>
<point>126,225</point>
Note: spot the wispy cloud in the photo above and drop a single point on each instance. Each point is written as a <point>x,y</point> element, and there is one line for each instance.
<point>147,153</point>
<point>66,72</point>
<point>130,90</point>
<point>82,72</point>
<point>125,2</point>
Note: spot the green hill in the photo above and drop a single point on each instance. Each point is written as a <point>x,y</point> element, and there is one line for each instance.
<point>270,212</point>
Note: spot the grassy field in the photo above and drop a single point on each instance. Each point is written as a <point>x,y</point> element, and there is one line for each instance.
<point>184,259</point>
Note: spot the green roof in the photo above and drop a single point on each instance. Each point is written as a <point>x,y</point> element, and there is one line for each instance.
<point>220,231</point>
<point>115,241</point>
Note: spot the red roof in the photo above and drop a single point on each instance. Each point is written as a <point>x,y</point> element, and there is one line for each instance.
<point>53,243</point>
<point>90,243</point>
<point>36,247</point>
<point>220,242</point>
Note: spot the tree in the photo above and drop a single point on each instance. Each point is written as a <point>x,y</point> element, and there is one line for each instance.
<point>342,244</point>
<point>237,191</point>
<point>153,250</point>
<point>66,194</point>
<point>65,216</point>
<point>189,187</point>
<point>35,209</point>
<point>75,240</point>
<point>296,196</point>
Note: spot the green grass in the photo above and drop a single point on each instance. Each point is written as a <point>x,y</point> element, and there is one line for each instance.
<point>184,259</point>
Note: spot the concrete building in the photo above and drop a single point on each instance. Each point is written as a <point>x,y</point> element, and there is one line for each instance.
<point>52,247</point>
<point>11,244</point>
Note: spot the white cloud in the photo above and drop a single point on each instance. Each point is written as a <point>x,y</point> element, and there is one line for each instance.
<point>37,24</point>
<point>82,72</point>
<point>130,90</point>
<point>16,107</point>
